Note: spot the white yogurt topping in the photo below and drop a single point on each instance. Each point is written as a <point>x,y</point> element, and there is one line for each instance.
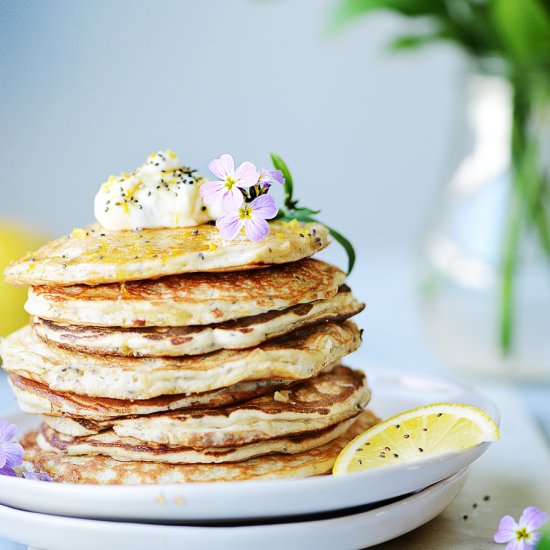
<point>161,193</point>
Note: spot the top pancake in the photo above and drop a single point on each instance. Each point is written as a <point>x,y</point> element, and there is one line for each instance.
<point>100,256</point>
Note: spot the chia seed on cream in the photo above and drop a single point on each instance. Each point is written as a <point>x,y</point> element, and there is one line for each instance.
<point>160,193</point>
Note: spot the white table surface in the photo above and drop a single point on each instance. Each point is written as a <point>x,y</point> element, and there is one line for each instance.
<point>514,472</point>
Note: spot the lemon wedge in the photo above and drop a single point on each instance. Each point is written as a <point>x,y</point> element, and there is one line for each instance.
<point>416,434</point>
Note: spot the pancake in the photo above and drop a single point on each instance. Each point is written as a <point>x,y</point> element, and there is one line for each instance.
<point>316,404</point>
<point>197,340</point>
<point>106,471</point>
<point>298,356</point>
<point>129,449</point>
<point>190,299</point>
<point>36,398</point>
<point>100,256</point>
<point>108,444</point>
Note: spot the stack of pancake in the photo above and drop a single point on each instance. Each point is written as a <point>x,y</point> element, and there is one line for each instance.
<point>171,355</point>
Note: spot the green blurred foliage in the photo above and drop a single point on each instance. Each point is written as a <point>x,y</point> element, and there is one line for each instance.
<point>517,31</point>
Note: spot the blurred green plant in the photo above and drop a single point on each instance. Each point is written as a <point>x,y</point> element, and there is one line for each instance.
<point>544,542</point>
<point>512,39</point>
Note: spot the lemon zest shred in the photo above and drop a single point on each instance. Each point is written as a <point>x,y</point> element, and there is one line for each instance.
<point>79,233</point>
<point>293,224</point>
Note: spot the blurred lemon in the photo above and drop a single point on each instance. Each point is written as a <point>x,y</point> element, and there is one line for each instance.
<point>15,241</point>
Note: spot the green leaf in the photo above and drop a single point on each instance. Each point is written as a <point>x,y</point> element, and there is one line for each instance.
<point>280,164</point>
<point>302,210</point>
<point>523,27</point>
<point>350,9</point>
<point>291,210</point>
<point>337,236</point>
<point>411,41</point>
<point>346,245</point>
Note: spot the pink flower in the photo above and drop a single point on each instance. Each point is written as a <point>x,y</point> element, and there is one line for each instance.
<point>267,176</point>
<point>252,216</point>
<point>11,454</point>
<point>521,535</point>
<point>225,192</point>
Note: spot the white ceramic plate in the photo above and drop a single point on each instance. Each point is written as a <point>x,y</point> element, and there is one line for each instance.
<point>262,499</point>
<point>352,531</point>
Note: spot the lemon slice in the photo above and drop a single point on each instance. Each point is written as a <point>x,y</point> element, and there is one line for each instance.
<point>419,433</point>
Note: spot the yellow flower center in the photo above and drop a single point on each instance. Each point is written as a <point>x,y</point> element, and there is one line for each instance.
<point>245,213</point>
<point>522,534</point>
<point>229,183</point>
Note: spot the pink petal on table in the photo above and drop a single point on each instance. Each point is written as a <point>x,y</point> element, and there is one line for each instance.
<point>532,518</point>
<point>518,545</point>
<point>506,530</point>
<point>7,431</point>
<point>13,454</point>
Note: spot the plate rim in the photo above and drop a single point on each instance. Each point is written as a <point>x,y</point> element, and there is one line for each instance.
<point>457,477</point>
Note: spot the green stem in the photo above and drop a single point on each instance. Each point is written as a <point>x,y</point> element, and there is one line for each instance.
<point>527,204</point>
<point>508,274</point>
<point>511,239</point>
<point>541,222</point>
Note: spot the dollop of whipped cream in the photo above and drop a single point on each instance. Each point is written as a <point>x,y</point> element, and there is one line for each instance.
<point>160,193</point>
